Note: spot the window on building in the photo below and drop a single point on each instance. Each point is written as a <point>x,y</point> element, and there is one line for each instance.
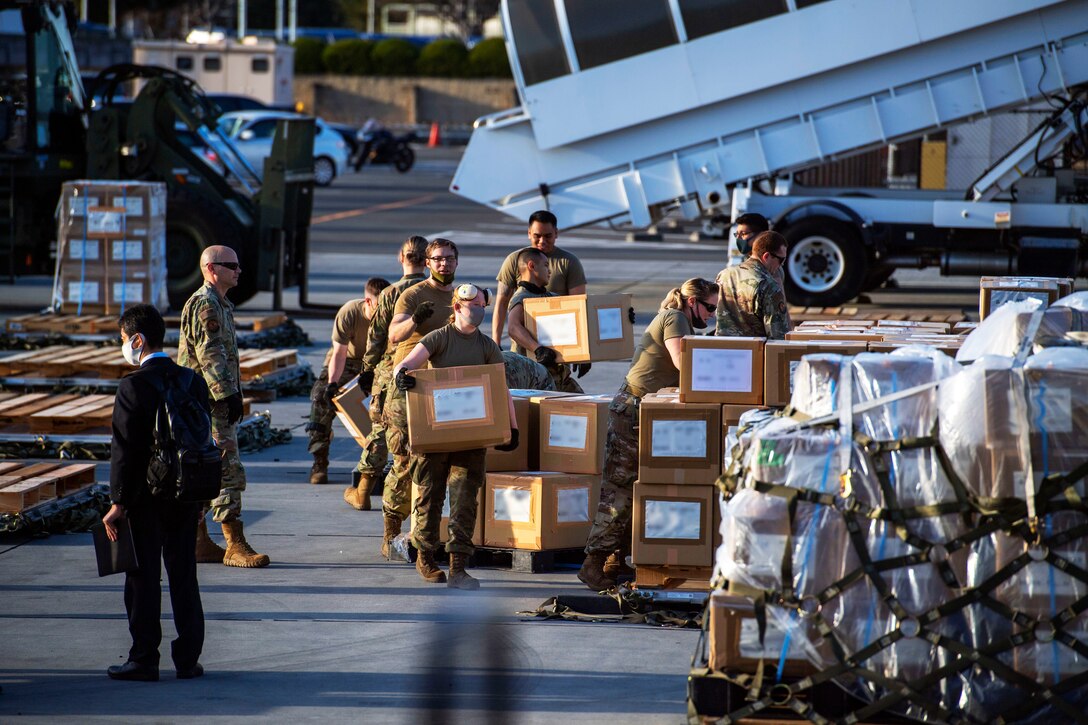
<point>259,65</point>
<point>609,30</point>
<point>703,17</point>
<point>539,45</point>
<point>212,63</point>
<point>183,62</point>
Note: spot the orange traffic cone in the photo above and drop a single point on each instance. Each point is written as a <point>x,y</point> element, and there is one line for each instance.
<point>435,138</point>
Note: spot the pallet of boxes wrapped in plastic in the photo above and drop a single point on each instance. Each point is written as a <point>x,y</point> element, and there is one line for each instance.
<point>913,543</point>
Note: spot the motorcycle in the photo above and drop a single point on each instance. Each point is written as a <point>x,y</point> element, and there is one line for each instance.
<point>382,147</point>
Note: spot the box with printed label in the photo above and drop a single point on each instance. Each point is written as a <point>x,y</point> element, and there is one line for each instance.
<point>721,369</point>
<point>83,295</point>
<point>517,459</point>
<point>735,643</point>
<point>444,527</point>
<point>780,361</point>
<point>353,410</point>
<point>1057,409</point>
<point>582,328</point>
<point>458,409</point>
<point>997,291</point>
<point>572,433</point>
<point>679,442</point>
<point>540,510</point>
<point>673,525</point>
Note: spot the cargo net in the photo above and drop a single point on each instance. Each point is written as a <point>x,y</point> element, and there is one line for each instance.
<point>918,536</point>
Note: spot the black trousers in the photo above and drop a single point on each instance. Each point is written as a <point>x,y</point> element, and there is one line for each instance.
<point>164,532</point>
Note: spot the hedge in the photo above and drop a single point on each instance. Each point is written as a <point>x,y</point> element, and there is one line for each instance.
<point>394,57</point>
<point>349,57</point>
<point>443,58</point>
<point>488,59</point>
<point>308,53</point>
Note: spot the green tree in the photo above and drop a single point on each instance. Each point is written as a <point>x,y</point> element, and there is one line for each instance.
<point>394,57</point>
<point>349,57</point>
<point>308,52</point>
<point>445,57</point>
<point>488,59</point>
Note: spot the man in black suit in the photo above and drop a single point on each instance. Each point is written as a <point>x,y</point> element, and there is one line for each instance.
<point>162,529</point>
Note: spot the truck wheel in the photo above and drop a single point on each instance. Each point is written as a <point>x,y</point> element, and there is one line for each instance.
<point>826,263</point>
<point>192,227</point>
<point>324,171</point>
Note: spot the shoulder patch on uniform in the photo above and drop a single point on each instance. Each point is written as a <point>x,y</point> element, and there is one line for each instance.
<point>210,319</point>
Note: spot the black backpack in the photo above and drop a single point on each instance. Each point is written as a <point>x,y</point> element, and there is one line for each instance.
<point>185,462</point>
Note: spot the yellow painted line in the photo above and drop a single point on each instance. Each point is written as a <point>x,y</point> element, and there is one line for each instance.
<point>372,209</point>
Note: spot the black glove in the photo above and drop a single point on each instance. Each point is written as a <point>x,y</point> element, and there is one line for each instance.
<point>234,408</point>
<point>423,311</point>
<point>512,445</point>
<point>546,356</point>
<point>331,391</point>
<point>366,380</point>
<point>582,368</point>
<point>405,381</point>
<point>631,315</point>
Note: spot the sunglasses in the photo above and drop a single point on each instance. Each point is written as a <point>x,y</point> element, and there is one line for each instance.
<point>781,260</point>
<point>742,235</point>
<point>446,258</point>
<point>709,308</point>
<point>233,266</point>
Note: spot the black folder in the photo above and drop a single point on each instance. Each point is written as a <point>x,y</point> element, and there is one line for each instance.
<point>114,557</point>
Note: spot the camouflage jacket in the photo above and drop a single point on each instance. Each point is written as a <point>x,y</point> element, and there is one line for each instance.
<point>379,353</point>
<point>208,342</point>
<point>525,374</point>
<point>752,303</point>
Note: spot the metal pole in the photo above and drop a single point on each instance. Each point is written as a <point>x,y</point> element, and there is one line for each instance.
<point>292,20</point>
<point>370,10</point>
<point>241,19</point>
<point>277,282</point>
<point>279,21</point>
<point>83,10</point>
<point>113,18</point>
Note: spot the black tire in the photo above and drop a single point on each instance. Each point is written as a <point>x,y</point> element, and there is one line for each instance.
<point>877,276</point>
<point>403,158</point>
<point>826,263</point>
<point>324,171</point>
<point>191,227</point>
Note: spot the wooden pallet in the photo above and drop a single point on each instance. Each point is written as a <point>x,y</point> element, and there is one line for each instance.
<point>23,486</point>
<point>93,361</point>
<point>805,314</point>
<point>107,324</point>
<point>253,322</point>
<point>689,578</point>
<point>61,414</point>
<point>525,560</point>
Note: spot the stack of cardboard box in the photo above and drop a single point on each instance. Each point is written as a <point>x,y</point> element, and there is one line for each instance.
<point>111,246</point>
<point>996,291</point>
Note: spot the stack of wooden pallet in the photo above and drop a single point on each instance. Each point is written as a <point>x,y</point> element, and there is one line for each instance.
<point>59,414</point>
<point>107,324</point>
<point>804,314</point>
<point>25,485</point>
<point>92,361</point>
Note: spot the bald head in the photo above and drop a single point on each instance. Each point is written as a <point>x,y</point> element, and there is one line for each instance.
<point>212,266</point>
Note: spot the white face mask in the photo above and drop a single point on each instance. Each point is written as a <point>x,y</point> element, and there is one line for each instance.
<point>132,357</point>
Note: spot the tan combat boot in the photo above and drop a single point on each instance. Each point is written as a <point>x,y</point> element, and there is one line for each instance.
<point>239,552</point>
<point>392,530</point>
<point>358,495</point>
<point>592,572</point>
<point>428,569</point>
<point>615,566</point>
<point>459,578</point>
<point>319,472</point>
<point>207,551</point>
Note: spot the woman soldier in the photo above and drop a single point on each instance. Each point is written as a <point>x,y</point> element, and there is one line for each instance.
<point>656,365</point>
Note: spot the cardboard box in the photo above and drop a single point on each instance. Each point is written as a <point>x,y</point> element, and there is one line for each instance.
<point>517,459</point>
<point>948,348</point>
<point>444,527</point>
<point>734,638</point>
<point>1058,416</point>
<point>582,328</point>
<point>679,442</point>
<point>721,369</point>
<point>458,409</point>
<point>539,510</point>
<point>780,361</point>
<point>353,410</point>
<point>825,335</point>
<point>572,433</point>
<point>731,413</point>
<point>532,434</point>
<point>994,292</point>
<point>673,525</point>
<point>835,323</point>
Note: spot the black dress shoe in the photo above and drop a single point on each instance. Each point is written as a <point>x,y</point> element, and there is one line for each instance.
<point>133,671</point>
<point>196,670</point>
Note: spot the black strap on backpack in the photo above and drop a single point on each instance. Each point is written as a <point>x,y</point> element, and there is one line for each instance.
<point>185,462</point>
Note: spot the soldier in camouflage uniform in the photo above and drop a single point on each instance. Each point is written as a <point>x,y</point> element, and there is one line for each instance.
<point>655,365</point>
<point>525,374</point>
<point>342,363</point>
<point>209,346</point>
<point>377,365</point>
<point>753,303</point>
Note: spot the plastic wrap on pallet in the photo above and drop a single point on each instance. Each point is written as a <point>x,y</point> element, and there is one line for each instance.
<point>1057,380</point>
<point>815,384</point>
<point>998,334</point>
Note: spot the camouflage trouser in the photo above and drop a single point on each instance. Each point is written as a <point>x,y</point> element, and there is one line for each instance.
<point>228,505</point>
<point>397,497</point>
<point>322,412</point>
<point>463,472</point>
<point>612,525</point>
<point>564,380</point>
<point>375,452</point>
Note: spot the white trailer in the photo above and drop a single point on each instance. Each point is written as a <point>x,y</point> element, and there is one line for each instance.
<point>634,111</point>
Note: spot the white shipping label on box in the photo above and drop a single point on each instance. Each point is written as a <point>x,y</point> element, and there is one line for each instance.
<point>673,520</point>
<point>1003,296</point>
<point>86,291</point>
<point>127,250</point>
<point>568,431</point>
<point>458,404</point>
<point>678,438</point>
<point>79,249</point>
<point>793,371</point>
<point>105,222</point>
<point>133,205</point>
<point>572,505</point>
<point>1057,409</point>
<point>557,330</point>
<point>78,204</point>
<point>128,291</point>
<point>610,323</point>
<point>721,371</point>
<point>513,504</point>
<point>759,555</point>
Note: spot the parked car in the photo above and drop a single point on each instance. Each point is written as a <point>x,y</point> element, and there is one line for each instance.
<point>231,102</point>
<point>252,131</point>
